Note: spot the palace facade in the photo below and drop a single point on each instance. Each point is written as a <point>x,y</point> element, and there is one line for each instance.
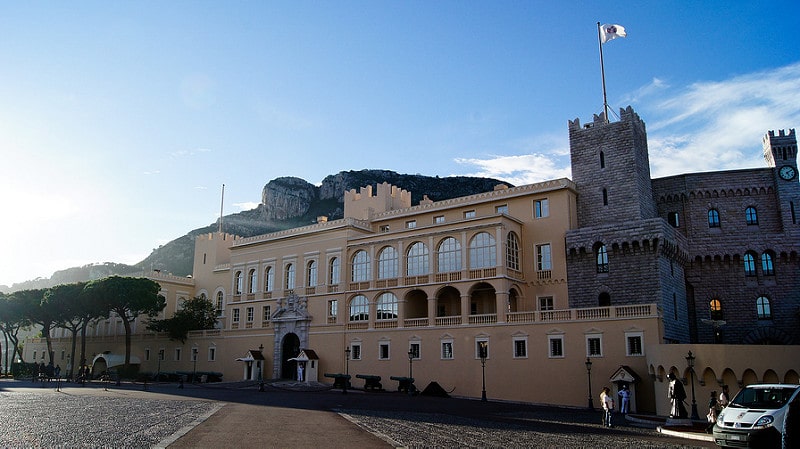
<point>544,292</point>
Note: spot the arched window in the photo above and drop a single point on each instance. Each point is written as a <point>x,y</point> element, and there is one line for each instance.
<point>482,252</point>
<point>604,299</point>
<point>269,279</point>
<point>386,308</point>
<point>766,265</point>
<point>387,263</point>
<point>601,258</point>
<point>749,264</point>
<point>512,251</point>
<point>220,297</point>
<point>334,271</point>
<point>359,308</point>
<point>252,281</point>
<point>311,273</point>
<point>361,268</point>
<point>289,278</point>
<point>750,215</point>
<point>713,218</point>
<point>417,261</point>
<point>449,255</point>
<point>238,283</point>
<point>715,308</point>
<point>763,309</point>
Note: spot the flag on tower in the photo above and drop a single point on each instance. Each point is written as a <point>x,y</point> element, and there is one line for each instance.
<point>610,32</point>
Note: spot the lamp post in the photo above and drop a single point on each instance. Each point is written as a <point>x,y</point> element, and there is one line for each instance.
<point>410,372</point>
<point>346,369</point>
<point>690,362</point>
<point>482,354</point>
<point>589,374</point>
<point>194,367</point>
<point>160,358</point>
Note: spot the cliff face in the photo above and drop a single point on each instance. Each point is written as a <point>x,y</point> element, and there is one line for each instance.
<point>286,202</point>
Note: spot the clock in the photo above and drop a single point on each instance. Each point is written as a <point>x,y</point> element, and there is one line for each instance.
<point>787,172</point>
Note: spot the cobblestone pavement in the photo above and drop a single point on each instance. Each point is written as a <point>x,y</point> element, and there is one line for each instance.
<point>91,417</point>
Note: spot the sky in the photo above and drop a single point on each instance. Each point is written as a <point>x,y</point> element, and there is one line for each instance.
<point>120,121</point>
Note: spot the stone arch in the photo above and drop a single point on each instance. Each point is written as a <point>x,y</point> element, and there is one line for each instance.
<point>749,377</point>
<point>416,304</point>
<point>770,377</point>
<point>767,335</point>
<point>290,348</point>
<point>515,299</point>
<point>708,378</point>
<point>482,299</point>
<point>448,301</point>
<point>729,378</point>
<point>791,377</point>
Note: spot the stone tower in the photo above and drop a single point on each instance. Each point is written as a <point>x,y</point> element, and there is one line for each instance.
<point>622,252</point>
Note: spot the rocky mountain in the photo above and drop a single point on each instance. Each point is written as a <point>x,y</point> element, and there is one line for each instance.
<point>286,202</point>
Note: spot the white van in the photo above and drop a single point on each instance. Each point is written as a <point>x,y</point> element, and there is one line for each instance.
<point>754,418</point>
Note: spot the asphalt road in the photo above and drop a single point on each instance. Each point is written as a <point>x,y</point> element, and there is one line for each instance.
<point>286,415</point>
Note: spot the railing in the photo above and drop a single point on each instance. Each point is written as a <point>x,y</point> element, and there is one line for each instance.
<point>387,324</point>
<point>333,288</point>
<point>521,317</point>
<point>484,318</point>
<point>357,325</point>
<point>266,323</point>
<point>592,314</point>
<point>331,320</point>
<point>251,296</point>
<point>556,315</point>
<point>448,277</point>
<point>415,322</point>
<point>633,311</point>
<point>415,280</point>
<point>544,274</point>
<point>515,274</point>
<point>234,325</point>
<point>267,295</point>
<point>248,325</point>
<point>311,290</point>
<point>355,286</point>
<point>448,320</point>
<point>483,273</point>
<point>236,298</point>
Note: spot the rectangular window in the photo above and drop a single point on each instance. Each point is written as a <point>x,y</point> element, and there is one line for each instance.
<point>594,346</point>
<point>177,354</point>
<point>541,208</point>
<point>501,209</point>
<point>482,348</point>
<point>355,351</point>
<point>469,214</point>
<point>674,219</point>
<point>147,354</point>
<point>236,315</point>
<point>438,219</point>
<point>543,259</point>
<point>384,228</point>
<point>212,354</point>
<point>333,308</point>
<point>546,303</point>
<point>194,355</point>
<point>250,314</point>
<point>383,351</point>
<point>414,349</point>
<point>556,345</point>
<point>520,348</point>
<point>447,350</point>
<point>411,224</point>
<point>634,344</point>
<point>267,313</point>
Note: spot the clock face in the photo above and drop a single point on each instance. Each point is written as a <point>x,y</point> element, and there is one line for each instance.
<point>787,172</point>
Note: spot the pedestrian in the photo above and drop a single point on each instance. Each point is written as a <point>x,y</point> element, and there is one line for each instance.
<point>57,371</point>
<point>676,395</point>
<point>608,406</point>
<point>713,411</point>
<point>624,399</point>
<point>724,397</point>
<point>35,372</point>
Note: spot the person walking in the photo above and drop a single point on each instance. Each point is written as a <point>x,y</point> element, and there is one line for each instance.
<point>608,406</point>
<point>713,411</point>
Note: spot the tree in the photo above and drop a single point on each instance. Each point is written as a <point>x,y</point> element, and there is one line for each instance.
<point>75,312</point>
<point>128,298</point>
<point>12,320</point>
<point>195,314</point>
<point>37,311</point>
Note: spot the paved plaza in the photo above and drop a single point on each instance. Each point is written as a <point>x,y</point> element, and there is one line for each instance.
<point>287,415</point>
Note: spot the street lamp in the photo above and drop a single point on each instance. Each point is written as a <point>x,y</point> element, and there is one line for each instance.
<point>346,369</point>
<point>160,358</point>
<point>410,371</point>
<point>194,368</point>
<point>482,354</point>
<point>690,362</point>
<point>589,374</point>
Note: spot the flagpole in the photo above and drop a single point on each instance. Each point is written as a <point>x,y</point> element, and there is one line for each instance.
<point>602,73</point>
<point>221,204</point>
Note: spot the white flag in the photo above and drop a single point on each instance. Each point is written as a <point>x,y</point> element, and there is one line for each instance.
<point>609,32</point>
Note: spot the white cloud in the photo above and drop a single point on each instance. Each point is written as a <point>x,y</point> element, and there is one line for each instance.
<point>518,170</point>
<point>247,205</point>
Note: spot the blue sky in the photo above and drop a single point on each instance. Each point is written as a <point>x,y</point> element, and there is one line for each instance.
<point>120,121</point>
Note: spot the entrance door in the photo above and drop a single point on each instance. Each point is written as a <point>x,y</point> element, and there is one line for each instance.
<point>290,349</point>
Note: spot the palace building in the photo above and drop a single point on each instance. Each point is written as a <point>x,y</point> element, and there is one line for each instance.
<point>543,292</point>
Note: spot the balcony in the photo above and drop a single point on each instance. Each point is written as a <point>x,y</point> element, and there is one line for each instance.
<point>485,318</point>
<point>415,322</point>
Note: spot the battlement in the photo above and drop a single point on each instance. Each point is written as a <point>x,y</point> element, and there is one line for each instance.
<point>366,202</point>
<point>625,114</point>
<point>782,146</point>
<point>216,235</point>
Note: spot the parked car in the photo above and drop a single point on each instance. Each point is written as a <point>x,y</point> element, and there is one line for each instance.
<point>755,417</point>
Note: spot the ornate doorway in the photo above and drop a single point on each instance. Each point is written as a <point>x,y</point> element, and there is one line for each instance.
<point>290,350</point>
